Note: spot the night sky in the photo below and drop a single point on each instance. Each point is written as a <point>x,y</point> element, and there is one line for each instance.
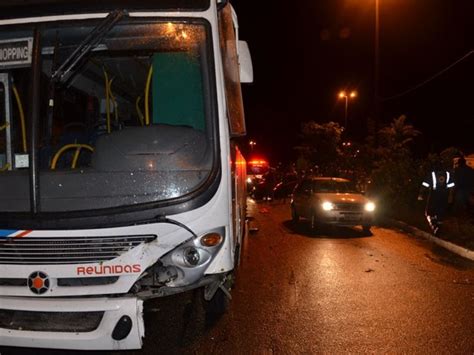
<point>304,52</point>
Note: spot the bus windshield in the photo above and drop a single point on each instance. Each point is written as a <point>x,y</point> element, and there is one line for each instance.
<point>129,124</point>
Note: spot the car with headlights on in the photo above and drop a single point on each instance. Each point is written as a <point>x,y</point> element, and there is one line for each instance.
<point>331,201</point>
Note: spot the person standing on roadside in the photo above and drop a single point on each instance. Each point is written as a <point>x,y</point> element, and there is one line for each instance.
<point>464,180</point>
<point>439,184</point>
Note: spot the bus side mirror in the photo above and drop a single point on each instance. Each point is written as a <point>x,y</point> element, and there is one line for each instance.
<point>245,62</point>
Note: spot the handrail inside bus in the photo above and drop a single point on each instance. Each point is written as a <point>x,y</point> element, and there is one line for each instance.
<point>147,96</point>
<point>78,148</point>
<point>110,97</point>
<point>22,118</point>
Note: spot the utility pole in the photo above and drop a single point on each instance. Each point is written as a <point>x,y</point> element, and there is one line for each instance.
<point>377,67</point>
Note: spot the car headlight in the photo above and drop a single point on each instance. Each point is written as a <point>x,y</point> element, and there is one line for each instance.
<point>369,207</point>
<point>327,206</point>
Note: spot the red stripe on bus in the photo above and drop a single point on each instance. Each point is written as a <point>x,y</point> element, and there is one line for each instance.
<point>22,234</point>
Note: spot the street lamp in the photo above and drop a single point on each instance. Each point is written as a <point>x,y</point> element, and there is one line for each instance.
<point>346,96</point>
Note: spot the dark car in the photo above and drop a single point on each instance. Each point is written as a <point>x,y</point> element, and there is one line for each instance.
<point>333,201</point>
<point>261,190</point>
<point>283,190</point>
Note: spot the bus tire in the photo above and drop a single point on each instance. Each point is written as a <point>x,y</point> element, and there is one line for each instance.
<point>219,303</point>
<point>216,307</point>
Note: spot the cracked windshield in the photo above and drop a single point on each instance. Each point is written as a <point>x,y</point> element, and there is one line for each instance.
<point>127,122</point>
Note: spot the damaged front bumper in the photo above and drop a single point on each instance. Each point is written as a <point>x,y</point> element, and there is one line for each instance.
<point>99,305</point>
<point>72,323</point>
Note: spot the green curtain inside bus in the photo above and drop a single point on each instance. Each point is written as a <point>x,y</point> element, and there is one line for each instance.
<point>177,90</point>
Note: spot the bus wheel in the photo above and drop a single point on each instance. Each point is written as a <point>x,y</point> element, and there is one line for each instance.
<point>218,305</point>
<point>215,308</point>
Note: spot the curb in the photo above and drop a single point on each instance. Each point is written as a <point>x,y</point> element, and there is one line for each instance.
<point>461,251</point>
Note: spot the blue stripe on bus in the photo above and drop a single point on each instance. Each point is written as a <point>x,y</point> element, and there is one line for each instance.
<point>7,232</point>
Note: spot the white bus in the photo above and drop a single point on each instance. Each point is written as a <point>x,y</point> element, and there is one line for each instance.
<point>120,179</point>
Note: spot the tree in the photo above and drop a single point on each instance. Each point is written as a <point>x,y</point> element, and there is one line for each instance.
<point>396,174</point>
<point>396,138</point>
<point>320,144</point>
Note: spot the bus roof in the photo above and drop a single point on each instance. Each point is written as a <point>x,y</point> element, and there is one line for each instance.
<point>34,8</point>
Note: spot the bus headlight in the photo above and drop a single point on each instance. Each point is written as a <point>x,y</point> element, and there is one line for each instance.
<point>187,263</point>
<point>369,207</point>
<point>191,256</point>
<point>327,206</point>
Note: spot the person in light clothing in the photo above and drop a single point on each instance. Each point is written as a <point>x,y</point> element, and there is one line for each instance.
<point>438,186</point>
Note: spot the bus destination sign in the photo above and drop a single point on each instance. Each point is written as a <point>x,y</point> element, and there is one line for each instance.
<point>16,53</point>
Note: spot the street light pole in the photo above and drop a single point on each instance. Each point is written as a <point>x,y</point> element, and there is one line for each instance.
<point>344,95</point>
<point>345,112</point>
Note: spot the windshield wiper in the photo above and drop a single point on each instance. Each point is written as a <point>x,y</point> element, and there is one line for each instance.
<point>88,44</point>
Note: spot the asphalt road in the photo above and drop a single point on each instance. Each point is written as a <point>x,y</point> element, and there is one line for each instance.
<point>335,291</point>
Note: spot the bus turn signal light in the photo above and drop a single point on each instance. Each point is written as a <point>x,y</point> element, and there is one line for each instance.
<point>211,239</point>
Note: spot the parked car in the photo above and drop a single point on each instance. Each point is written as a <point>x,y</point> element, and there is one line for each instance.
<point>333,201</point>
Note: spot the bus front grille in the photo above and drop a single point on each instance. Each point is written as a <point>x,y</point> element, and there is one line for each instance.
<point>67,250</point>
<point>66,322</point>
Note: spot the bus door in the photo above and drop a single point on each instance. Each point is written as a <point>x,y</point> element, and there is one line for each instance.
<point>6,161</point>
<point>15,53</point>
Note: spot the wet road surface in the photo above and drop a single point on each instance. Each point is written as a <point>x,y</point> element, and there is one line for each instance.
<point>334,291</point>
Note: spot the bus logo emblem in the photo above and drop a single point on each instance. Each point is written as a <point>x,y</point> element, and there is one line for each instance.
<point>38,282</point>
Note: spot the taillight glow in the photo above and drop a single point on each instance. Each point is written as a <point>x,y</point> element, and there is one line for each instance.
<point>258,162</point>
